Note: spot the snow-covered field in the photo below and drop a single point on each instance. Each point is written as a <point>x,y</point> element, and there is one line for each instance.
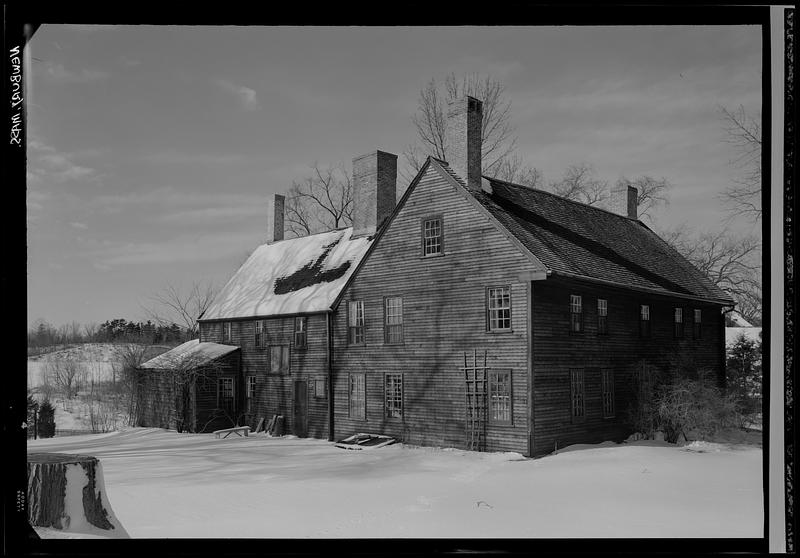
<point>162,484</point>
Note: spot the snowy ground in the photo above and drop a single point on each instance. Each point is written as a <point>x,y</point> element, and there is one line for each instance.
<point>162,484</point>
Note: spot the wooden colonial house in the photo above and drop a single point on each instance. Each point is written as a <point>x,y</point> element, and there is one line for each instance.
<point>475,313</point>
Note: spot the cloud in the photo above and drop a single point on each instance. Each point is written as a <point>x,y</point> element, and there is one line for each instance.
<point>60,74</point>
<point>130,62</point>
<point>45,161</point>
<point>245,95</point>
<point>179,158</point>
<point>82,226</point>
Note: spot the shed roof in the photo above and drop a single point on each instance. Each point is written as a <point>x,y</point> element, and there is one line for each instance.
<point>294,276</point>
<point>192,353</point>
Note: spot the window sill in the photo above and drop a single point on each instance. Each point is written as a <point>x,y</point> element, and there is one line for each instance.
<point>499,331</point>
<point>432,256</point>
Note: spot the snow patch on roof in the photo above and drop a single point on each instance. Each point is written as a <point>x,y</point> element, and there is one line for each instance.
<point>294,276</point>
<point>192,353</point>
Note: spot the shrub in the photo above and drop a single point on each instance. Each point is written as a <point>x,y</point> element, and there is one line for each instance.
<point>47,421</point>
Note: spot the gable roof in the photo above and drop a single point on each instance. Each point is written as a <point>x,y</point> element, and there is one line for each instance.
<point>192,353</point>
<point>295,276</point>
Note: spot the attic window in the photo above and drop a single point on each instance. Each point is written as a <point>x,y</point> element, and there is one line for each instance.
<point>432,237</point>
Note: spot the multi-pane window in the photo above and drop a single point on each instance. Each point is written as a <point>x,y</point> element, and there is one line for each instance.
<point>602,316</point>
<point>279,359</point>
<point>250,392</point>
<point>576,313</point>
<point>225,394</point>
<point>300,335</point>
<point>393,318</point>
<point>498,308</point>
<point>261,333</point>
<point>678,322</point>
<point>698,323</point>
<point>227,334</point>
<point>500,396</point>
<point>355,320</point>
<point>432,236</point>
<point>394,395</point>
<point>358,397</point>
<point>607,390</point>
<point>644,320</point>
<point>577,394</point>
<point>319,388</point>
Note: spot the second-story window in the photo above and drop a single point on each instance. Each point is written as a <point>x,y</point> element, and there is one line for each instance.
<point>300,334</point>
<point>698,323</point>
<point>227,334</point>
<point>576,313</point>
<point>393,319</point>
<point>355,322</point>
<point>261,333</point>
<point>432,241</point>
<point>644,320</point>
<point>678,323</point>
<point>602,316</point>
<point>498,308</point>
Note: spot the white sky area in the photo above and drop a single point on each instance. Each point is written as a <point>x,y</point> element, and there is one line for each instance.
<point>152,150</point>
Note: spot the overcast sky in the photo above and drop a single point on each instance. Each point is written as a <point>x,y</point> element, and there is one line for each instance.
<point>151,150</point>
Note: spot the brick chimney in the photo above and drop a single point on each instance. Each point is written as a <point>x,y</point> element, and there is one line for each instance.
<point>463,136</point>
<point>374,191</point>
<point>624,200</point>
<point>275,218</point>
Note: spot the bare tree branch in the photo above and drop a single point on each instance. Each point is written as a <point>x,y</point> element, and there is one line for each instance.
<point>744,133</point>
<point>580,183</point>
<point>174,305</point>
<point>320,202</point>
<point>652,193</point>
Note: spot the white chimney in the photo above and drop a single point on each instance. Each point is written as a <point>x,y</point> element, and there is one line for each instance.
<point>624,200</point>
<point>463,136</point>
<point>374,191</point>
<point>275,217</point>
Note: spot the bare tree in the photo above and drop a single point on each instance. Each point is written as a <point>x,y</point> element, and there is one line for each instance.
<point>65,375</point>
<point>732,263</point>
<point>580,183</point>
<point>744,133</point>
<point>174,305</point>
<point>90,331</point>
<point>513,169</point>
<point>652,193</point>
<point>320,202</point>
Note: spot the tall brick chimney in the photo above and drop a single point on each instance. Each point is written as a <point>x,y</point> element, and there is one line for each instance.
<point>463,136</point>
<point>374,191</point>
<point>275,218</point>
<point>624,200</point>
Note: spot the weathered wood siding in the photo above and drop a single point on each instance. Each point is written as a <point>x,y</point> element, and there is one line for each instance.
<point>274,393</point>
<point>556,350</point>
<point>444,316</point>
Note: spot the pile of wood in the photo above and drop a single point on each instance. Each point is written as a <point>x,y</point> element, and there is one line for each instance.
<point>274,427</point>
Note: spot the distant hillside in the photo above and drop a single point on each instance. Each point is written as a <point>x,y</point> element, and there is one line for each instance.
<point>94,352</point>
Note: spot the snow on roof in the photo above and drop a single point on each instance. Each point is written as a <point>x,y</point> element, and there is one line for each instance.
<point>192,352</point>
<point>739,320</point>
<point>294,276</point>
<point>733,333</point>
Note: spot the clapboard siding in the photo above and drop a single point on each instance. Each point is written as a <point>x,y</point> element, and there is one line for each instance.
<point>444,315</point>
<point>274,393</point>
<point>556,351</point>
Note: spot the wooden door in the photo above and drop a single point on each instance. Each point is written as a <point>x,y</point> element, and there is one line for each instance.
<point>300,408</point>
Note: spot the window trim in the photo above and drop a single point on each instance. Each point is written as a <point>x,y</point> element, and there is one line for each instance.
<point>491,420</point>
<point>645,332</point>
<point>304,320</point>
<point>386,415</point>
<point>604,383</point>
<point>678,327</point>
<point>220,380</point>
<point>581,321</point>
<point>572,392</point>
<point>350,395</point>
<point>602,329</point>
<point>260,343</point>
<point>324,394</point>
<point>250,382</point>
<point>422,222</point>
<point>227,331</point>
<point>386,324</point>
<point>350,326</point>
<point>697,325</point>
<point>487,299</point>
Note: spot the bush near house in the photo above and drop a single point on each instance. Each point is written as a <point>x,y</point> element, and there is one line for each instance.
<point>47,422</point>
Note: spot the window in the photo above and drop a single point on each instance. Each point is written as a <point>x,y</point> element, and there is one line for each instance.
<point>432,242</point>
<point>607,381</point>
<point>250,392</point>
<point>300,335</point>
<point>355,321</point>
<point>645,382</point>
<point>394,396</point>
<point>393,318</point>
<point>577,394</point>
<point>698,323</point>
<point>358,400</point>
<point>261,333</point>
<point>644,320</point>
<point>576,313</point>
<point>678,323</point>
<point>498,308</point>
<point>227,335</point>
<point>319,389</point>
<point>500,396</point>
<point>225,394</point>
<point>279,359</point>
<point>602,316</point>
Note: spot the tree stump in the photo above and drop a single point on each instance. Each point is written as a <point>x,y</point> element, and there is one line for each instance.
<point>67,492</point>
